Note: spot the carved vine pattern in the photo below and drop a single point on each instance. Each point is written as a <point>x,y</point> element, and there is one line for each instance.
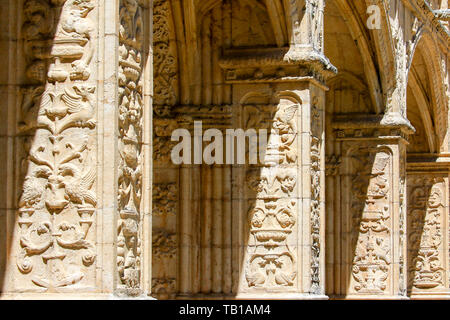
<point>272,216</point>
<point>130,145</point>
<point>371,219</point>
<point>426,204</point>
<point>165,75</point>
<point>58,199</point>
<point>316,146</point>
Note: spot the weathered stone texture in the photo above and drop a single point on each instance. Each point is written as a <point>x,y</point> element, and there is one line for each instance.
<point>350,200</point>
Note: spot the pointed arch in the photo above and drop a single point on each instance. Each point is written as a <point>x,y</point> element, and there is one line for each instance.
<point>428,86</point>
<point>362,39</point>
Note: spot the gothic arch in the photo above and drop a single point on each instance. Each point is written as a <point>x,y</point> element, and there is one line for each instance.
<point>357,29</point>
<point>426,83</point>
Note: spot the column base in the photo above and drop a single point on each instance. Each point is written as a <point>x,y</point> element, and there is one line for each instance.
<point>431,296</point>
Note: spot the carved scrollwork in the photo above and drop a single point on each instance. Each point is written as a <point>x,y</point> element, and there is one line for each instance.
<point>130,145</point>
<point>425,209</point>
<point>58,199</point>
<point>371,220</point>
<point>273,212</point>
<point>164,60</point>
<point>165,197</point>
<point>316,176</point>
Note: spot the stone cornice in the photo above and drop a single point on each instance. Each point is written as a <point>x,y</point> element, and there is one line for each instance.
<point>368,121</point>
<point>276,65</point>
<point>418,162</point>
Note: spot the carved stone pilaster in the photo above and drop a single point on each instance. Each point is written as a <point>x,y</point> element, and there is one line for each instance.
<point>428,233</point>
<point>56,218</point>
<point>166,187</point>
<point>374,208</point>
<point>130,141</point>
<point>77,149</point>
<point>283,197</point>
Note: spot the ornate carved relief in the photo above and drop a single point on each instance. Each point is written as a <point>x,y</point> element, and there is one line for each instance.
<point>316,183</point>
<point>164,245</point>
<point>371,219</point>
<point>164,288</point>
<point>402,223</point>
<point>58,200</point>
<point>165,78</point>
<point>271,261</point>
<point>316,16</point>
<point>165,197</point>
<point>164,61</point>
<point>397,96</point>
<point>425,232</point>
<point>130,146</point>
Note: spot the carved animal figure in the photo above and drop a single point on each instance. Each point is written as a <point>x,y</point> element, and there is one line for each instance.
<point>381,250</point>
<point>285,278</point>
<point>74,24</point>
<point>255,279</point>
<point>80,108</point>
<point>283,120</point>
<point>32,192</point>
<point>78,188</point>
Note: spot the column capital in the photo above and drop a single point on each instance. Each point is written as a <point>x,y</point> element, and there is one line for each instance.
<point>275,65</point>
<point>353,127</point>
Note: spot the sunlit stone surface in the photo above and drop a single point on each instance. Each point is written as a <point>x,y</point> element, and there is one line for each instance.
<point>349,198</point>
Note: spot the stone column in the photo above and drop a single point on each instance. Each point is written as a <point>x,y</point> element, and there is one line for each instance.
<point>428,223</point>
<point>372,208</point>
<point>77,155</point>
<point>279,203</point>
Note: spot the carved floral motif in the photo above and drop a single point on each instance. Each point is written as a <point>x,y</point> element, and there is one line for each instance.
<point>164,62</point>
<point>371,220</point>
<point>425,209</point>
<point>58,200</point>
<point>130,145</point>
<point>316,146</point>
<point>272,216</point>
<point>165,197</point>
